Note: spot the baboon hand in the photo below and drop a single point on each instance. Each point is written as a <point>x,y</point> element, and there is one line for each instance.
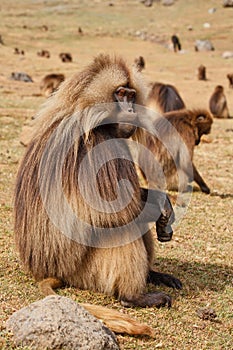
<point>158,278</point>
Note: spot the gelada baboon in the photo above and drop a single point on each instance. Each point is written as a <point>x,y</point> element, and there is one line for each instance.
<point>50,83</point>
<point>139,63</point>
<point>230,78</point>
<point>43,53</point>
<point>65,57</point>
<point>201,72</point>
<point>174,158</point>
<point>218,103</point>
<point>176,43</point>
<point>164,98</point>
<point>64,234</point>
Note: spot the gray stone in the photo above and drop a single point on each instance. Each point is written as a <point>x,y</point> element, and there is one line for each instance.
<point>168,2</point>
<point>57,322</point>
<point>227,3</point>
<point>21,77</point>
<point>227,54</point>
<point>203,45</point>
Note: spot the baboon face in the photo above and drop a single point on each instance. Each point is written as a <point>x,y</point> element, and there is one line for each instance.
<point>125,98</point>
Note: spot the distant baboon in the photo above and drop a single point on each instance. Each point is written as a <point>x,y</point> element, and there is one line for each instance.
<point>82,225</point>
<point>164,98</point>
<point>80,31</point>
<point>176,43</point>
<point>218,103</point>
<point>1,40</point>
<point>50,83</point>
<point>139,63</point>
<point>18,52</point>
<point>43,53</point>
<point>230,78</point>
<point>45,28</point>
<point>201,73</point>
<point>65,57</point>
<point>169,151</point>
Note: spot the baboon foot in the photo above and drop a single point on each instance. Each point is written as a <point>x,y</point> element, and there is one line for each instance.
<point>158,278</point>
<point>157,299</point>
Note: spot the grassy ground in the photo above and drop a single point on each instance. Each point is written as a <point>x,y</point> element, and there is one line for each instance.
<point>201,252</point>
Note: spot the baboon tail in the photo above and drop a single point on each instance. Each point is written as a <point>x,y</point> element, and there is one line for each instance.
<point>114,320</point>
<point>48,285</point>
<point>117,321</point>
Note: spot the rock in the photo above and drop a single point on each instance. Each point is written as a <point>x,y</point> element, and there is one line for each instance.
<point>57,322</point>
<point>227,3</point>
<point>212,10</point>
<point>206,25</point>
<point>21,77</point>
<point>203,45</point>
<point>148,3</point>
<point>168,2</point>
<point>227,54</point>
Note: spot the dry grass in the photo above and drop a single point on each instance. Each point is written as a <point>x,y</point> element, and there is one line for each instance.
<point>201,251</point>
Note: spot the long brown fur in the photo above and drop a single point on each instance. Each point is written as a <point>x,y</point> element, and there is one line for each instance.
<point>190,129</point>
<point>218,103</point>
<point>119,269</point>
<point>164,98</point>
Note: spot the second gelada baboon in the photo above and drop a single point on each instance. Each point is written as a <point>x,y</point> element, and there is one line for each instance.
<point>164,98</point>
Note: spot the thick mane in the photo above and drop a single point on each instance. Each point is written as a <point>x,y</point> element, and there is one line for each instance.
<point>50,171</point>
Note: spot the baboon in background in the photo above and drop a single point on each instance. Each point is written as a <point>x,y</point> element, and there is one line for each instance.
<point>18,52</point>
<point>176,43</point>
<point>201,72</point>
<point>61,241</point>
<point>230,78</point>
<point>65,57</point>
<point>218,103</point>
<point>50,83</point>
<point>43,53</point>
<point>191,125</point>
<point>139,63</point>
<point>164,98</point>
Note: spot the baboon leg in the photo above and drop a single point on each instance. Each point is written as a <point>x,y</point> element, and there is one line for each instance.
<point>48,285</point>
<point>157,299</point>
<point>158,278</point>
<point>199,180</point>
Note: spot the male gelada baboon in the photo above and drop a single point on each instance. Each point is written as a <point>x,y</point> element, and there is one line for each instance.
<point>218,103</point>
<point>168,149</point>
<point>230,78</point>
<point>201,72</point>
<point>65,57</point>
<point>64,235</point>
<point>164,98</point>
<point>50,83</point>
<point>139,63</point>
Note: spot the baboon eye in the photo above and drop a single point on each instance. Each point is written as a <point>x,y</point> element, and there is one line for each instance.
<point>121,93</point>
<point>200,117</point>
<point>132,95</point>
